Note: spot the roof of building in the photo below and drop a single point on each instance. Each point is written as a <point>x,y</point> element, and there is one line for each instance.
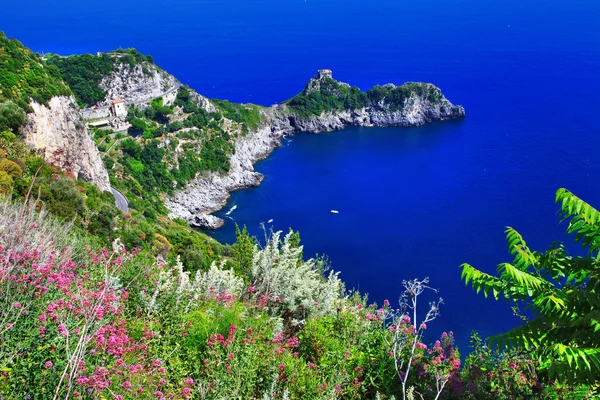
<point>324,70</point>
<point>118,101</point>
<point>101,122</point>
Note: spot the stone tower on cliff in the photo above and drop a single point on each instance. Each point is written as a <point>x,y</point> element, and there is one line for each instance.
<point>325,73</point>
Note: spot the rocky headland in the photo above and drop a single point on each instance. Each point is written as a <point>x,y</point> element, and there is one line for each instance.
<point>412,104</point>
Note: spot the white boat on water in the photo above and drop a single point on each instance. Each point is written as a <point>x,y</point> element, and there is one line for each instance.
<point>335,212</point>
<point>231,210</point>
<point>270,221</point>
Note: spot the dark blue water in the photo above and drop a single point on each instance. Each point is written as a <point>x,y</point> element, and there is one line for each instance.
<point>413,202</point>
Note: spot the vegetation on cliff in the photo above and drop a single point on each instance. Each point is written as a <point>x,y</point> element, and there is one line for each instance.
<point>84,72</point>
<point>325,94</point>
<point>24,77</point>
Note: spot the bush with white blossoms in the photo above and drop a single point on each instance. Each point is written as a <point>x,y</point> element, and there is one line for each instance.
<point>175,287</point>
<point>290,284</point>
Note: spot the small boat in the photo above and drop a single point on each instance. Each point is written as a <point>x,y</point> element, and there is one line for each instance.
<point>335,212</point>
<point>231,210</point>
<point>270,221</point>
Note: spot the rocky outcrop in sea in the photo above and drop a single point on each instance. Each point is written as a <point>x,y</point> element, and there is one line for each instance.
<point>209,193</point>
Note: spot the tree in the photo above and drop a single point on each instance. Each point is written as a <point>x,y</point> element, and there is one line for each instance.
<point>561,292</point>
<point>12,117</point>
<point>243,251</point>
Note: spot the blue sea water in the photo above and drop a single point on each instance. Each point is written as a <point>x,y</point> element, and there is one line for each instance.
<point>413,202</point>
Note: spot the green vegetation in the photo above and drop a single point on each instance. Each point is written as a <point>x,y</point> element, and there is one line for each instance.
<point>24,78</point>
<point>246,114</point>
<point>84,72</point>
<point>329,95</point>
<point>125,325</point>
<point>326,94</point>
<point>560,291</point>
<point>394,97</point>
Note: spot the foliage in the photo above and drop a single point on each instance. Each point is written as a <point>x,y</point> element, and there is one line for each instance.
<point>246,114</point>
<point>294,288</point>
<point>561,292</point>
<point>243,251</point>
<point>25,77</point>
<point>326,94</point>
<point>84,72</point>
<point>395,97</point>
<point>12,117</point>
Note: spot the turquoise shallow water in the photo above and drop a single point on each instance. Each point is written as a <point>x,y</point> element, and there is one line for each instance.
<point>413,202</point>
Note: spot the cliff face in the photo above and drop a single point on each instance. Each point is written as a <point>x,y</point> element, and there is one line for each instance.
<point>209,193</point>
<point>138,84</point>
<point>416,111</point>
<point>59,131</point>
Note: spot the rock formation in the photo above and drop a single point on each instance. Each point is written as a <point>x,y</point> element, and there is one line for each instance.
<point>60,133</point>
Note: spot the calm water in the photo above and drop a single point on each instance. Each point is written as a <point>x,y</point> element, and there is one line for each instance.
<point>413,202</point>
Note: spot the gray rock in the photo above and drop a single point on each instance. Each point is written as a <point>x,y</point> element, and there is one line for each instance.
<point>59,132</point>
<point>205,221</point>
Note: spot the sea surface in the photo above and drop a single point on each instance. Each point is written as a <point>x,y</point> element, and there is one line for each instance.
<point>412,202</point>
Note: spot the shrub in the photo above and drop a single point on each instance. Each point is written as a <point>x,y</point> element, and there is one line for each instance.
<point>293,288</point>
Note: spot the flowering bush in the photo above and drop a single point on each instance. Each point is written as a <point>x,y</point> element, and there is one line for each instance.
<point>291,287</point>
<point>120,325</point>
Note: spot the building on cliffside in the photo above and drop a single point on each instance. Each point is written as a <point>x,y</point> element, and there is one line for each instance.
<point>325,73</point>
<point>118,108</point>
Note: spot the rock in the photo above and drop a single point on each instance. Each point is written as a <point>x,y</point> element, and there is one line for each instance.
<point>137,84</point>
<point>61,134</point>
<point>205,221</point>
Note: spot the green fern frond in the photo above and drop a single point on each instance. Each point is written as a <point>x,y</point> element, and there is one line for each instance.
<point>509,272</point>
<point>524,258</point>
<point>584,219</point>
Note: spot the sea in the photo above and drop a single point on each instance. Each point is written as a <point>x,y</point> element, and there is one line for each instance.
<point>413,202</point>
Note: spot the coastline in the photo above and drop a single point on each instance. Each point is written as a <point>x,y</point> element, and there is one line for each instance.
<point>209,193</point>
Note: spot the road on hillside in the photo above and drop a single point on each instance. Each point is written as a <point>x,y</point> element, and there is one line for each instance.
<point>147,100</point>
<point>121,202</point>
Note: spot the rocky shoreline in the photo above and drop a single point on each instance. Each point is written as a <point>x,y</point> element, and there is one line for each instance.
<point>209,193</point>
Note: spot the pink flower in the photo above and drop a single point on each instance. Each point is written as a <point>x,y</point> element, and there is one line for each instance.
<point>62,329</point>
<point>281,368</point>
<point>157,363</point>
<point>158,393</point>
<point>17,305</point>
<point>423,326</point>
<point>48,364</point>
<point>251,289</point>
<point>386,303</point>
<point>421,346</point>
<point>189,382</point>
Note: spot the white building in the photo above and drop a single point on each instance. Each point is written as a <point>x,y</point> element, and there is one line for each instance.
<point>118,108</point>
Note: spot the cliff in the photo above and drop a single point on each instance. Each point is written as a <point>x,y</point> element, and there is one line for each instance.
<point>59,132</point>
<point>138,83</point>
<point>320,107</point>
